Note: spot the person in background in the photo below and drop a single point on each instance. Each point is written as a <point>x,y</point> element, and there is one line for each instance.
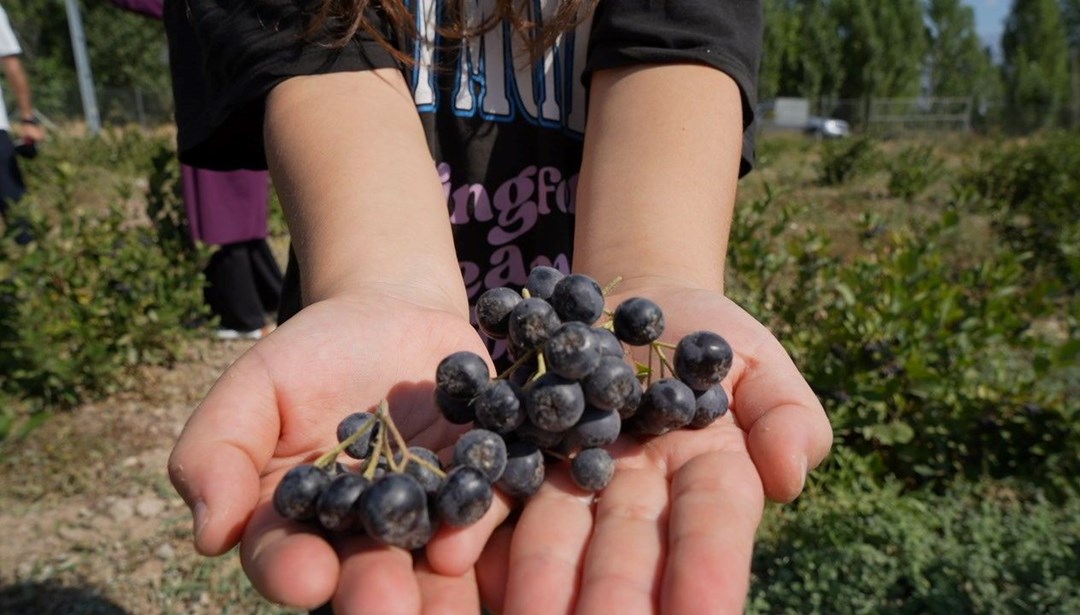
<point>229,209</point>
<point>29,131</point>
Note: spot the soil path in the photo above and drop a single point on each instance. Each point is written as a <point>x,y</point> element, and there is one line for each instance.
<point>91,523</point>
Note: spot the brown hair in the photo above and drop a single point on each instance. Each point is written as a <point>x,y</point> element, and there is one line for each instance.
<point>335,22</point>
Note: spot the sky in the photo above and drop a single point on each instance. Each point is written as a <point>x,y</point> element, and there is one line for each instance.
<point>989,18</point>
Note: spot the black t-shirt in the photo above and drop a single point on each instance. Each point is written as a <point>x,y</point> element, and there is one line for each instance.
<point>506,135</point>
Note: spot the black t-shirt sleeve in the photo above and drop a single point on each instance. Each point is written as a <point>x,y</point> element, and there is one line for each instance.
<point>226,56</point>
<point>725,34</point>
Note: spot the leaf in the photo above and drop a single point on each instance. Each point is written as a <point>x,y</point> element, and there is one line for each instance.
<point>896,432</point>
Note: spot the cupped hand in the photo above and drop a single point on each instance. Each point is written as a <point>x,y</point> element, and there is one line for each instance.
<point>674,530</point>
<point>279,405</point>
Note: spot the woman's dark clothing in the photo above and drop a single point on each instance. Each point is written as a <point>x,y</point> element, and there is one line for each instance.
<point>506,134</point>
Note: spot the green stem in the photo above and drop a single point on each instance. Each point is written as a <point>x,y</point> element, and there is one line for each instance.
<point>329,456</point>
<point>664,363</point>
<point>611,285</point>
<point>373,461</point>
<point>518,363</point>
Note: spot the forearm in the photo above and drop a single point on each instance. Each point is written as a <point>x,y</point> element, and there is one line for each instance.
<point>658,180</point>
<point>364,204</point>
<point>20,85</point>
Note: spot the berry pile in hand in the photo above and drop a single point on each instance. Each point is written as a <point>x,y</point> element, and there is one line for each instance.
<point>399,493</point>
<point>570,392</point>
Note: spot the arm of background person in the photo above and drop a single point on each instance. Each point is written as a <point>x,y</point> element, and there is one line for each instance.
<point>20,86</point>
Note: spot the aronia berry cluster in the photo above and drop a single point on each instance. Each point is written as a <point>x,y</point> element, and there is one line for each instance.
<point>570,392</point>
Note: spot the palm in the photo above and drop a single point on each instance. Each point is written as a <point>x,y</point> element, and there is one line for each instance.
<point>279,405</point>
<point>674,530</point>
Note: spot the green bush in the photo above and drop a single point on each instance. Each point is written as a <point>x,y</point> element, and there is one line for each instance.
<point>929,369</point>
<point>981,549</point>
<point>95,295</point>
<point>913,170</point>
<point>844,159</point>
<point>1032,190</point>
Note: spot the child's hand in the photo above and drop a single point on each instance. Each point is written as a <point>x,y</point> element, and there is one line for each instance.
<point>279,405</point>
<point>674,530</point>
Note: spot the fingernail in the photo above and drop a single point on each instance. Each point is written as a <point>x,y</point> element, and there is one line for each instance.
<point>199,513</point>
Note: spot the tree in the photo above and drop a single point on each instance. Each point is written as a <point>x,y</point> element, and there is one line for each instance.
<point>126,51</point>
<point>957,63</point>
<point>883,46</point>
<point>802,50</point>
<point>1035,68</point>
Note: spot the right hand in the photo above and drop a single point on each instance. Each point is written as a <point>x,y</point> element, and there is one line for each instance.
<point>279,405</point>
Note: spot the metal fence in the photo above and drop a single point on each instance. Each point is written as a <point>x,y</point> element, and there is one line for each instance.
<point>116,107</point>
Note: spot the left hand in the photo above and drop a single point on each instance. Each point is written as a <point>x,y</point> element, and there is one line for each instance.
<point>31,133</point>
<point>674,531</point>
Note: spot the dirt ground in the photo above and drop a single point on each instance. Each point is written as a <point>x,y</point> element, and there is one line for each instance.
<point>90,522</point>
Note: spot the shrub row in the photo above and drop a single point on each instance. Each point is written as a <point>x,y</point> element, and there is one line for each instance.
<point>96,294</point>
<point>983,548</point>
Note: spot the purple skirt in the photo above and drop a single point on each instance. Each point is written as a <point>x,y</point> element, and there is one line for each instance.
<point>226,206</point>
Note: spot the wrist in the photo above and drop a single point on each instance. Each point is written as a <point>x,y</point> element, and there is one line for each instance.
<point>446,294</point>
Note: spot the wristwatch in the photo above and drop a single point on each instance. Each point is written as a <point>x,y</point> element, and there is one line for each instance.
<point>31,120</point>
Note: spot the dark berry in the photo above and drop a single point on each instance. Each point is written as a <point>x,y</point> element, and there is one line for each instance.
<point>541,281</point>
<point>629,408</point>
<point>540,437</point>
<point>461,374</point>
<point>609,344</point>
<point>457,411</point>
<point>710,405</point>
<point>638,321</point>
<point>500,406</point>
<point>531,324</point>
<point>464,497</point>
<point>428,478</point>
<point>596,428</point>
<point>592,469</point>
<point>296,496</point>
<point>572,351</point>
<point>493,309</point>
<point>524,471</point>
<point>611,385</point>
<point>554,403</point>
<point>336,506</point>
<point>667,404</point>
<point>702,359</point>
<point>578,298</point>
<point>357,421</point>
<point>394,511</point>
<point>481,449</point>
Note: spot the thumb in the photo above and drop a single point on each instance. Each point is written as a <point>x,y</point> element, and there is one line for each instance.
<point>216,463</point>
<point>788,433</point>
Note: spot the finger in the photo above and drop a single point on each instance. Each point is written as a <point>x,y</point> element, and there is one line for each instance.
<point>286,562</point>
<point>548,546</point>
<point>624,562</point>
<point>376,579</point>
<point>446,593</point>
<point>716,505</point>
<point>492,568</point>
<point>454,551</point>
<point>787,426</point>
<point>217,460</point>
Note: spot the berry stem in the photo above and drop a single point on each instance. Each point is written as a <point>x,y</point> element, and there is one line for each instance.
<point>388,452</point>
<point>424,462</point>
<point>664,363</point>
<point>611,285</point>
<point>522,361</point>
<point>372,462</point>
<point>329,456</point>
<point>384,413</point>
